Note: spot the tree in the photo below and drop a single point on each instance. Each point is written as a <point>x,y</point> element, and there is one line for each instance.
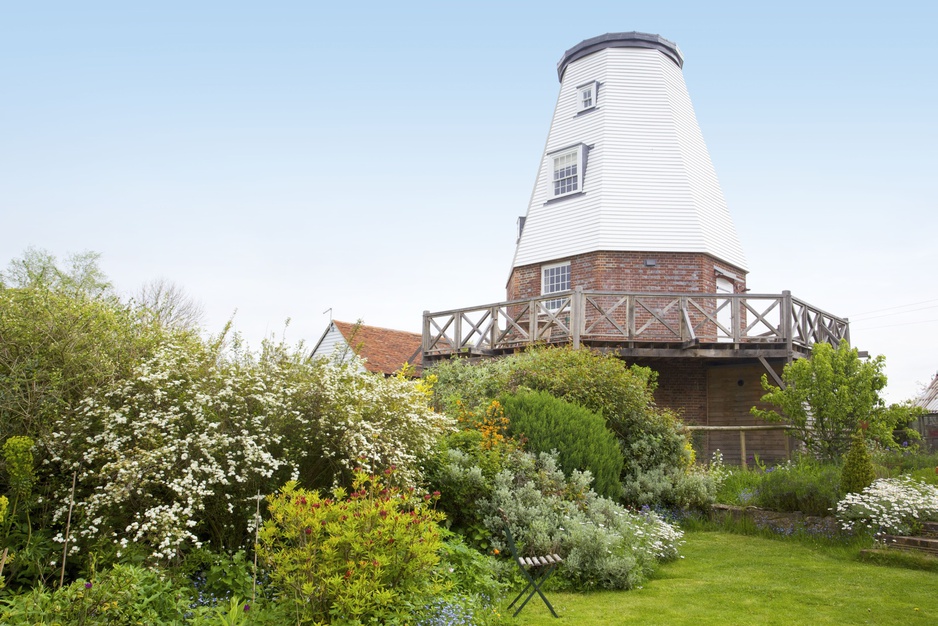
<point>858,472</point>
<point>167,304</point>
<point>39,269</point>
<point>829,396</point>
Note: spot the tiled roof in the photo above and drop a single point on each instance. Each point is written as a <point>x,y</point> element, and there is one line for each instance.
<point>385,350</point>
<point>929,397</point>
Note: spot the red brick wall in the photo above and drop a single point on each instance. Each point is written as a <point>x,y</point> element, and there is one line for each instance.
<point>674,272</point>
<point>682,387</point>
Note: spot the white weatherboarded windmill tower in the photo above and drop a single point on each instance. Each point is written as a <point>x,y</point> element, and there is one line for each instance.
<point>628,246</point>
<point>625,178</point>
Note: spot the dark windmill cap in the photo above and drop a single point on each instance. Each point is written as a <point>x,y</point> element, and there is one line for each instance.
<point>620,40</point>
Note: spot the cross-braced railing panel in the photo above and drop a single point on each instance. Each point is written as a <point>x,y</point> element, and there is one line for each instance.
<point>766,314</point>
<point>811,325</point>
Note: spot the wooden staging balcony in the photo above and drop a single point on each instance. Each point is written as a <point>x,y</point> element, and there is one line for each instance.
<point>638,325</point>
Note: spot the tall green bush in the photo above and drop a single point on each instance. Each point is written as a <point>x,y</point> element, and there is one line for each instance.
<point>579,436</point>
<point>858,473</point>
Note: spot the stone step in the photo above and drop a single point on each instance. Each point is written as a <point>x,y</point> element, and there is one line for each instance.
<point>919,544</point>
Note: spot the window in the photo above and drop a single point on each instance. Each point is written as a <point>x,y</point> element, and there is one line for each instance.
<point>567,171</point>
<point>586,96</point>
<point>555,278</point>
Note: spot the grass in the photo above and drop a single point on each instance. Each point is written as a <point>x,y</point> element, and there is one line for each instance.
<point>737,579</point>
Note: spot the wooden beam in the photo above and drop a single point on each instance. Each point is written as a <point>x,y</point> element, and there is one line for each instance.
<point>778,381</point>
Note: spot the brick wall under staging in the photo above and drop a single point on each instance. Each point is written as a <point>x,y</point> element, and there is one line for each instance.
<point>682,387</point>
<point>710,394</point>
<point>672,272</point>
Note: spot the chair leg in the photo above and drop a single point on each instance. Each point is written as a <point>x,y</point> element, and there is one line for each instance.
<point>535,581</point>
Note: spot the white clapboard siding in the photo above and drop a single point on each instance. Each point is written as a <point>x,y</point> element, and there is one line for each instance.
<point>648,184</point>
<point>332,345</point>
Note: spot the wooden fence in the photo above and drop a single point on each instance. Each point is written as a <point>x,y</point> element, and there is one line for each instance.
<point>742,437</point>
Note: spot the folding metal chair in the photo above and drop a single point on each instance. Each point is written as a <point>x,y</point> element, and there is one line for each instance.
<point>536,570</point>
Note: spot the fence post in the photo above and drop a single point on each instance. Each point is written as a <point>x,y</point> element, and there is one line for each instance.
<point>736,319</point>
<point>742,447</point>
<point>426,331</point>
<point>493,335</point>
<point>576,316</point>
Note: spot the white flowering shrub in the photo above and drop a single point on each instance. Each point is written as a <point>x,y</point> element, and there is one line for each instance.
<point>895,506</point>
<point>604,545</point>
<point>371,421</point>
<point>175,454</point>
<point>154,451</point>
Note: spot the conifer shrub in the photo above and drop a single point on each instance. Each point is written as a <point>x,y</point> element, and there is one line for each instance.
<point>858,472</point>
<point>579,436</point>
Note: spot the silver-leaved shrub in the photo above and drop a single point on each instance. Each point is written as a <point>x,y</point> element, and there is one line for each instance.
<point>604,545</point>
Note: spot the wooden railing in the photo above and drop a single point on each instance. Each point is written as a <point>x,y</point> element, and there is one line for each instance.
<point>607,317</point>
<point>742,437</point>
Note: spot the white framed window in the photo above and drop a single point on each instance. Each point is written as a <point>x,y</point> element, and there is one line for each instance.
<point>555,278</point>
<point>567,171</point>
<point>586,96</point>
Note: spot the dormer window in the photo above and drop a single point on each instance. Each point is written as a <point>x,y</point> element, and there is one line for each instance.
<point>567,170</point>
<point>586,96</point>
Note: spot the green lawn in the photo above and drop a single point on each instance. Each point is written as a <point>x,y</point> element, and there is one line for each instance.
<point>736,579</point>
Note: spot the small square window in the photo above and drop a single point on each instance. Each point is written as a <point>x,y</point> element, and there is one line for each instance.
<point>586,96</point>
<point>567,171</point>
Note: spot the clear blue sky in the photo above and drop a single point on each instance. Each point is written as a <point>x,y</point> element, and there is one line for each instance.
<point>283,158</point>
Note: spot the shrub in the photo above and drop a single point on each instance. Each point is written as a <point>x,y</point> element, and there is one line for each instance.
<point>858,472</point>
<point>475,593</point>
<point>580,437</point>
<point>902,460</point>
<point>926,475</point>
<point>218,577</point>
<point>369,554</point>
<point>604,545</point>
<point>740,487</point>
<point>890,505</point>
<point>464,468</point>
<point>155,450</point>
<point>356,418</point>
<point>125,594</point>
<point>652,440</point>
<point>806,485</point>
